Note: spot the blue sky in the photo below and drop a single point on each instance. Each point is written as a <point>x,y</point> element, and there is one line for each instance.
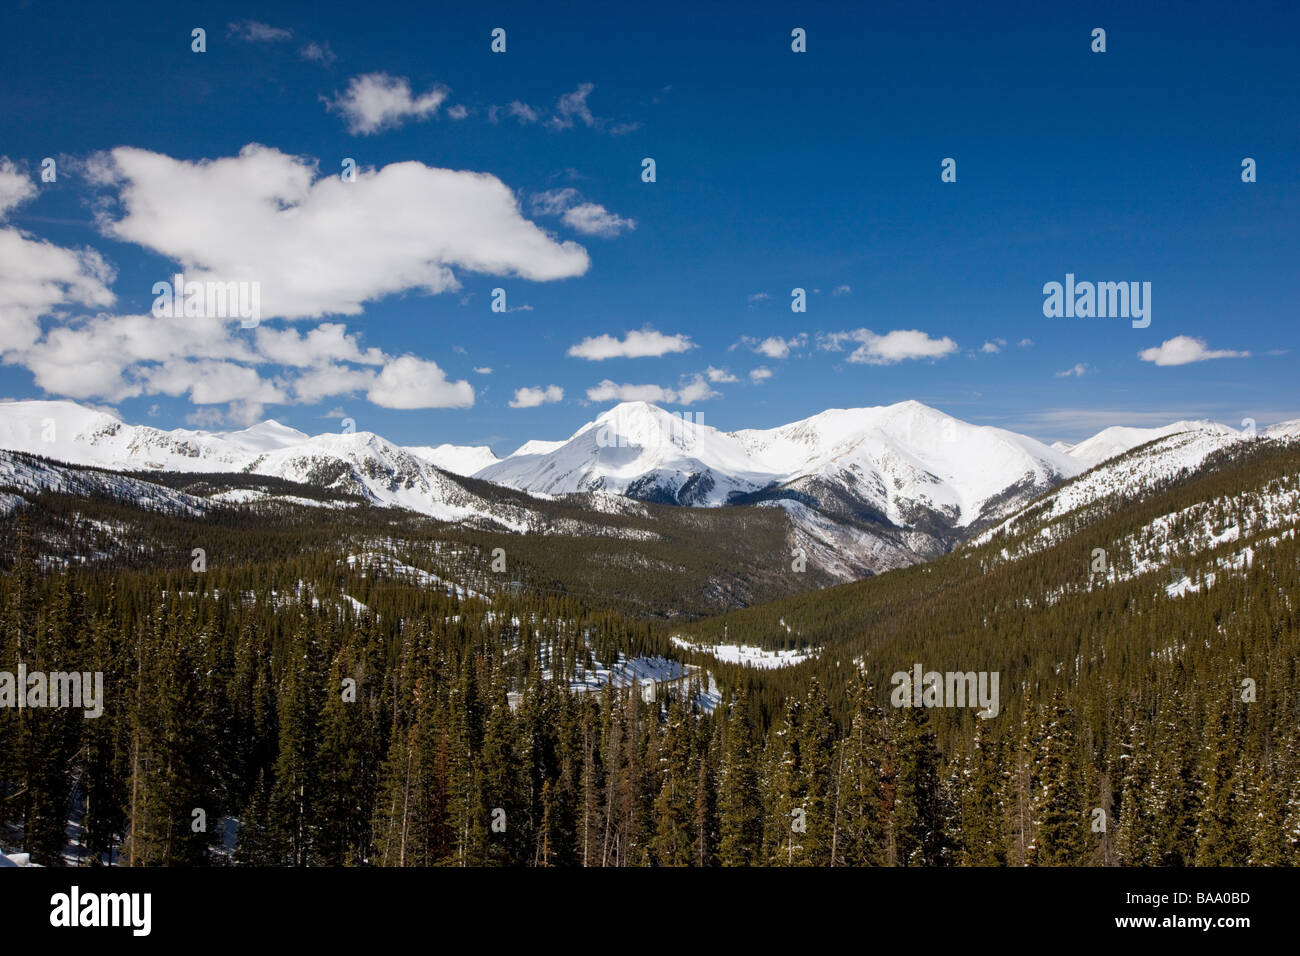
<point>775,170</point>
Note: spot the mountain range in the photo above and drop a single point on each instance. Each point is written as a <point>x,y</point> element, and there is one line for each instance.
<point>864,489</point>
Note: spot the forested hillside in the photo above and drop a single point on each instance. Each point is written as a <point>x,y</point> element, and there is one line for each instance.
<point>400,708</point>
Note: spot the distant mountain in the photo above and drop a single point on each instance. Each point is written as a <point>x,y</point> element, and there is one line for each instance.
<point>900,482</point>
<point>357,463</point>
<point>640,451</point>
<point>864,490</point>
<point>1118,439</point>
<point>462,460</point>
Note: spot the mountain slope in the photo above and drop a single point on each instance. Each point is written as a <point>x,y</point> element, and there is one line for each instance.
<point>356,463</point>
<point>1118,439</point>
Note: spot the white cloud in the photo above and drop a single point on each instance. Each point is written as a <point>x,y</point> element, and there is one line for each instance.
<point>693,388</point>
<point>483,369</point>
<point>993,347</point>
<point>252,31</point>
<point>378,101</point>
<point>775,346</point>
<point>896,346</point>
<point>37,278</point>
<point>457,112</point>
<point>410,382</point>
<point>529,397</point>
<point>318,245</point>
<point>321,345</point>
<point>1183,350</point>
<point>329,380</point>
<point>553,202</point>
<point>570,110</point>
<point>759,375</point>
<point>719,376</point>
<point>589,218</point>
<point>758,297</point>
<point>573,106</point>
<point>16,187</point>
<point>592,219</point>
<point>609,391</point>
<point>318,53</point>
<point>842,290</point>
<point>108,356</point>
<point>1026,343</point>
<point>211,382</point>
<point>646,343</point>
<point>1078,371</point>
<point>522,112</point>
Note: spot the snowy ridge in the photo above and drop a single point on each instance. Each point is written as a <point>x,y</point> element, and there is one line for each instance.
<point>895,459</point>
<point>462,460</point>
<point>1118,439</point>
<point>358,463</point>
<point>865,489</point>
<point>1129,475</point>
<point>24,474</point>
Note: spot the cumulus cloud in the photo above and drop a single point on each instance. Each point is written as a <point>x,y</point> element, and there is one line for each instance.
<point>411,382</point>
<point>112,356</point>
<point>775,346</point>
<point>208,382</point>
<point>593,219</point>
<point>842,290</point>
<point>330,380</point>
<point>38,278</point>
<point>691,389</point>
<point>115,357</point>
<point>1077,371</point>
<point>719,376</point>
<point>896,346</point>
<point>993,347</point>
<point>1183,350</point>
<point>15,187</point>
<point>528,397</point>
<point>322,345</point>
<point>318,245</point>
<point>759,375</point>
<point>646,343</point>
<point>379,101</point>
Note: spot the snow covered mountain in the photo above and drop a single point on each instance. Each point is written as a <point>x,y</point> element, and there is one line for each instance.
<point>1118,439</point>
<point>641,451</point>
<point>462,460</point>
<point>359,463</point>
<point>901,481</point>
<point>865,488</point>
<point>1123,477</point>
<point>905,461</point>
